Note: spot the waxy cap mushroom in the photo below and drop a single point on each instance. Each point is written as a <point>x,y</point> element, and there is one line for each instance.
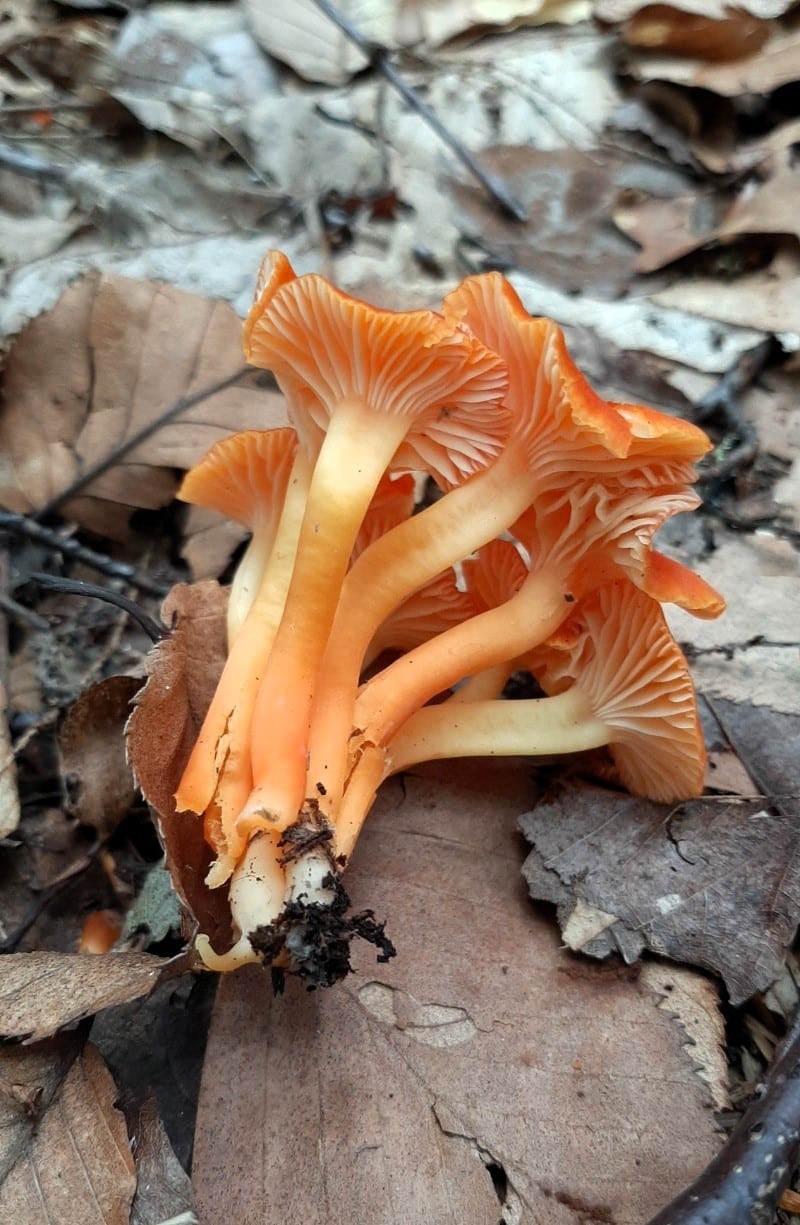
<point>631,690</point>
<point>245,478</point>
<point>367,390</point>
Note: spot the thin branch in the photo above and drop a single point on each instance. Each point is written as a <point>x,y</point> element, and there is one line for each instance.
<point>22,525</point>
<point>154,629</point>
<point>744,1182</point>
<point>378,57</point>
<point>723,402</point>
<point>176,410</point>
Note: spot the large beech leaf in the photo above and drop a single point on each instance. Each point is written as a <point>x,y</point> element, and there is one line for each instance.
<point>482,1064</point>
<point>109,359</point>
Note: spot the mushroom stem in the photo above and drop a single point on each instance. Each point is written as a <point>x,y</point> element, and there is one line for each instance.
<point>486,685</point>
<point>367,775</point>
<point>256,896</point>
<point>532,727</point>
<point>227,722</point>
<point>353,458</point>
<point>524,621</point>
<point>388,572</point>
<point>266,574</point>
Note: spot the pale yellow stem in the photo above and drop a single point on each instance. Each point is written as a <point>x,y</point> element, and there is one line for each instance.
<point>533,727</point>
<point>257,898</point>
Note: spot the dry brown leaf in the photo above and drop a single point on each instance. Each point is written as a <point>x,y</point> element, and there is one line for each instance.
<point>665,28</point>
<point>69,1159</point>
<point>709,882</point>
<point>767,299</point>
<point>92,749</point>
<point>667,230</point>
<point>183,671</point>
<point>40,993</point>
<point>119,354</point>
<point>163,1190</point>
<point>209,541</point>
<point>568,195</point>
<point>621,10</point>
<point>482,1058</point>
<point>776,63</point>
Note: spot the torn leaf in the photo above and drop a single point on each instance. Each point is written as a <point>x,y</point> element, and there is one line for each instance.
<point>709,882</point>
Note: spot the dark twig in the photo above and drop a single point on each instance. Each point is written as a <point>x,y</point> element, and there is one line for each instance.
<point>723,402</point>
<point>21,525</point>
<point>176,410</point>
<point>744,1182</point>
<point>378,57</point>
<point>154,629</point>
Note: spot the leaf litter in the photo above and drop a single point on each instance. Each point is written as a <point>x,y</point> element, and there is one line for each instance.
<point>711,175</point>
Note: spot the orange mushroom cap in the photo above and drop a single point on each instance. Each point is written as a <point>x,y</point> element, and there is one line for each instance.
<point>325,347</point>
<point>639,684</point>
<point>244,476</point>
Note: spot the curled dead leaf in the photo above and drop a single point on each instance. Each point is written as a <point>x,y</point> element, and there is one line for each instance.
<point>183,671</point>
<point>99,782</point>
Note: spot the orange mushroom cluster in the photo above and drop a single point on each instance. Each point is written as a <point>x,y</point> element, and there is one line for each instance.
<point>538,555</point>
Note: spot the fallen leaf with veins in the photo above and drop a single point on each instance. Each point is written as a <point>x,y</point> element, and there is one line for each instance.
<point>42,992</point>
<point>64,1152</point>
<point>119,354</point>
<point>482,1057</point>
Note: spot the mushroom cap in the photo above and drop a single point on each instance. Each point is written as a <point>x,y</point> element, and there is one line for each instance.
<point>639,684</point>
<point>658,434</point>
<point>562,424</point>
<point>244,477</point>
<point>599,530</point>
<point>325,347</point>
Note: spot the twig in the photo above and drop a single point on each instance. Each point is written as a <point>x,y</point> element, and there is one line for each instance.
<point>179,407</point>
<point>729,649</point>
<point>744,1182</point>
<point>378,57</point>
<point>154,629</point>
<point>723,401</point>
<point>20,613</point>
<point>22,525</point>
